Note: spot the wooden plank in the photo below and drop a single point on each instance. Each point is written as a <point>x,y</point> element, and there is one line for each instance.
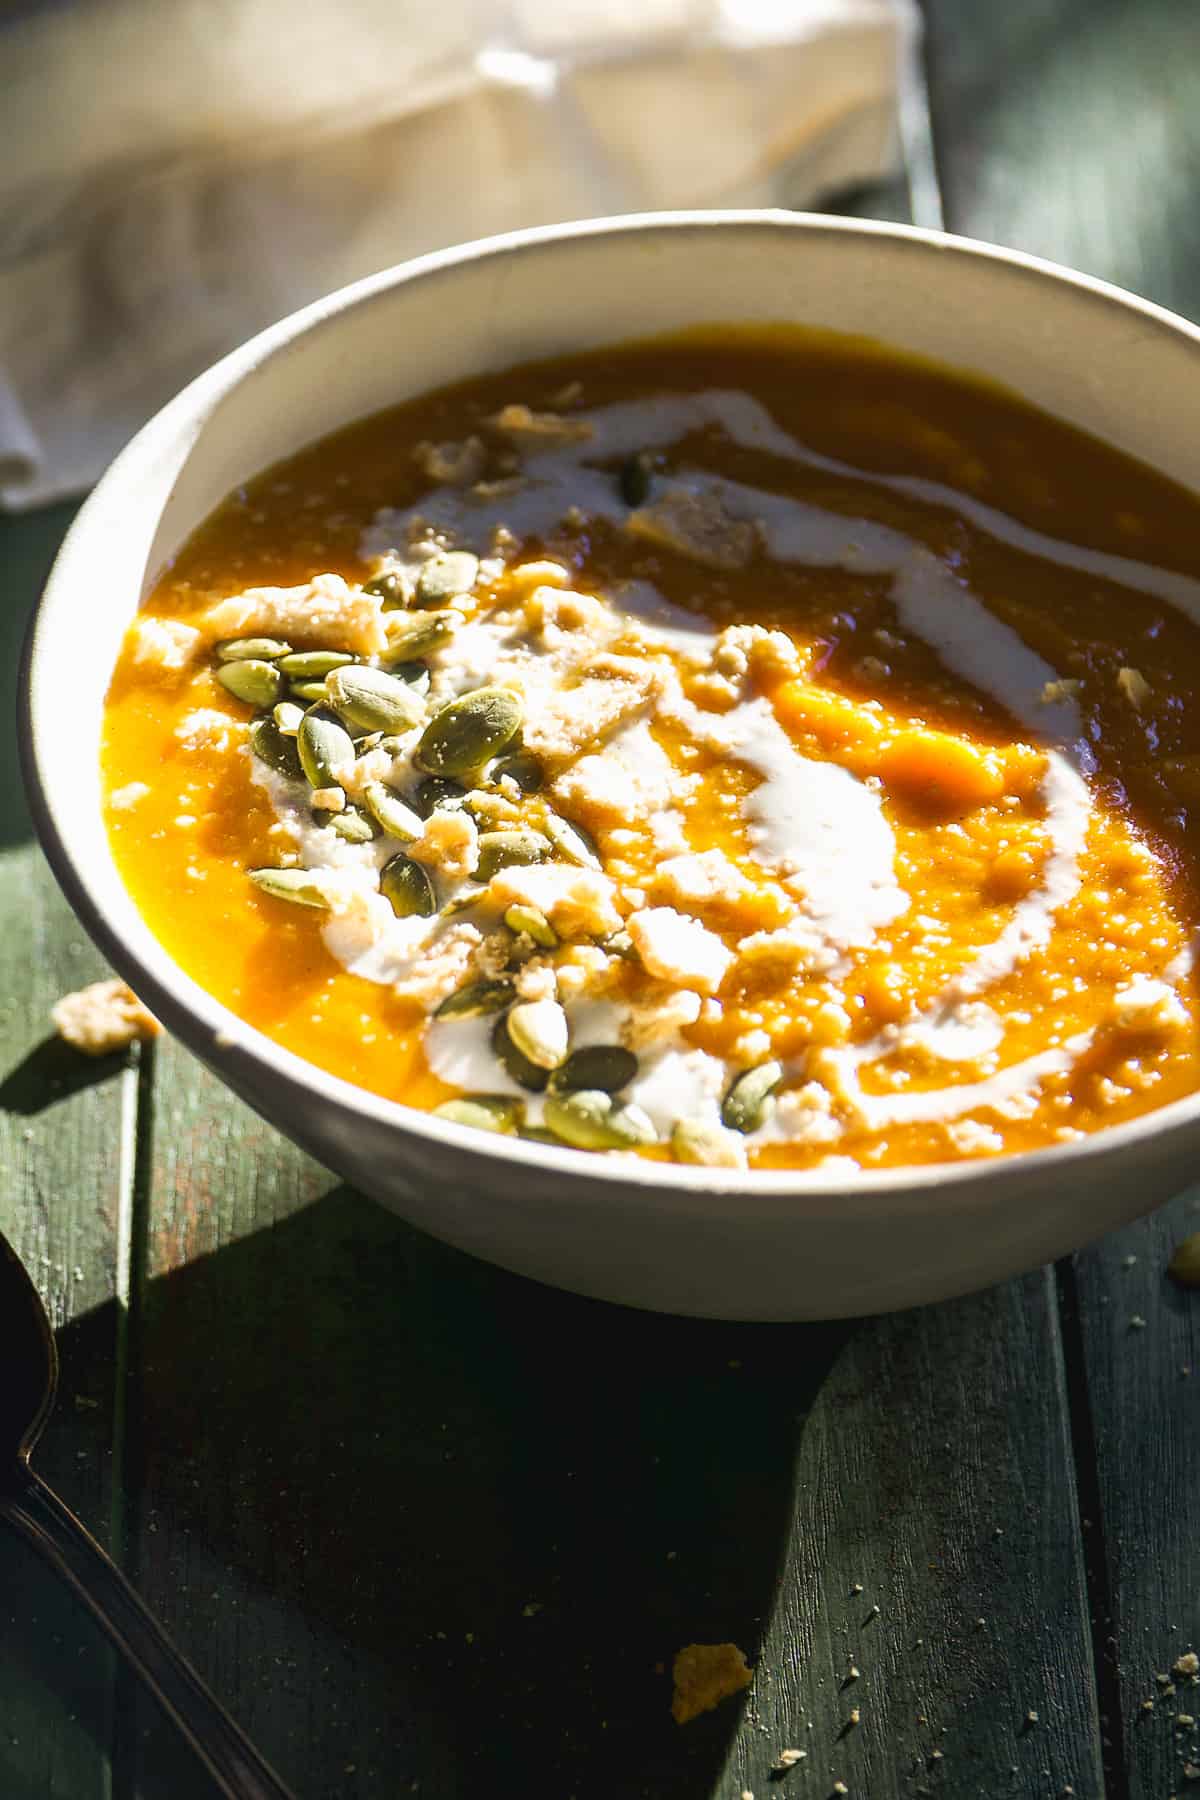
<point>1073,129</point>
<point>63,1188</point>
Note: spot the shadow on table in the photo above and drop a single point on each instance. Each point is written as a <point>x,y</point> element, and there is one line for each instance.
<point>467,1519</point>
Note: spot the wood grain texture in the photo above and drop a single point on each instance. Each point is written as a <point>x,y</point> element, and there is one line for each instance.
<point>63,1186</point>
<point>1072,129</point>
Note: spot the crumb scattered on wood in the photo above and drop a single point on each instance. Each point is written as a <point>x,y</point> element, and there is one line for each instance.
<point>1188,1665</point>
<point>704,1675</point>
<point>102,1018</point>
<point>787,1759</point>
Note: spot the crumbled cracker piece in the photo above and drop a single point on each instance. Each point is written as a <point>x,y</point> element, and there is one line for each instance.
<point>455,464</point>
<point>577,902</point>
<point>1134,686</point>
<point>328,799</point>
<point>521,423</point>
<point>325,610</point>
<point>699,879</point>
<point>449,843</point>
<point>679,949</point>
<point>704,1675</point>
<point>208,729</point>
<point>444,966</point>
<point>104,1017</point>
<point>122,798</point>
<point>658,1019</point>
<point>164,644</point>
<point>610,692</point>
<point>698,526</point>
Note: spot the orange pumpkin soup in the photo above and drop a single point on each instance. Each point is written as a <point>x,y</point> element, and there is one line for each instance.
<point>749,748</point>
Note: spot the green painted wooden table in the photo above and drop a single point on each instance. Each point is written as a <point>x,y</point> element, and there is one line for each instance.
<point>432,1530</point>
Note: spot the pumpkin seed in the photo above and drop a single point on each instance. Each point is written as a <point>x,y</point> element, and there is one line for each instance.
<point>260,649</point>
<point>299,886</point>
<point>603,1067</point>
<point>537,1134</point>
<point>446,575</point>
<point>540,1032</point>
<point>288,716</point>
<point>438,793</point>
<point>313,665</point>
<point>354,826</point>
<point>503,849</point>
<point>468,731</point>
<point>407,887</point>
<point>589,1121</point>
<point>476,998</point>
<point>572,842</point>
<point>534,924</point>
<point>1184,1266</point>
<point>398,820</point>
<point>389,588</point>
<point>698,1141</point>
<point>278,752</point>
<point>748,1101</point>
<point>373,700</point>
<point>325,748</point>
<point>634,479</point>
<point>414,675</point>
<point>523,768</point>
<point>311,692</point>
<point>486,1112</point>
<point>514,1062</point>
<point>257,683</point>
<point>420,634</point>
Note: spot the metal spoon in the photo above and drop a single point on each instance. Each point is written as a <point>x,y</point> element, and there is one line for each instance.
<point>28,1379</point>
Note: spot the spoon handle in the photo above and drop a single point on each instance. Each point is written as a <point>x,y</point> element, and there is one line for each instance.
<point>57,1535</point>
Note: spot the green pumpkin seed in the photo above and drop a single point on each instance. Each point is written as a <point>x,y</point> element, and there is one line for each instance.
<point>447,575</point>
<point>398,820</point>
<point>325,747</point>
<point>537,1134</point>
<point>311,692</point>
<point>589,1120</point>
<point>467,732</point>
<point>314,665</point>
<point>523,768</point>
<point>536,925</point>
<point>486,1112</point>
<point>1184,1266</point>
<point>634,480</point>
<point>260,649</point>
<point>573,843</point>
<point>514,1062</point>
<point>278,752</point>
<point>748,1101</point>
<point>540,1032</point>
<point>257,683</point>
<point>605,1068</point>
<point>438,793</point>
<point>697,1141</point>
<point>413,674</point>
<point>389,588</point>
<point>420,634</point>
<point>288,716</point>
<point>407,888</point>
<point>354,826</point>
<point>299,886</point>
<point>476,998</point>
<point>504,849</point>
<point>372,700</point>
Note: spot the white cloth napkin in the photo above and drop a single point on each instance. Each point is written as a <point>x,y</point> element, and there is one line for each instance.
<point>176,174</point>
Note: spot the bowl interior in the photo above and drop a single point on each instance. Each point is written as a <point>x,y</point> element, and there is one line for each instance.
<point>1111,365</point>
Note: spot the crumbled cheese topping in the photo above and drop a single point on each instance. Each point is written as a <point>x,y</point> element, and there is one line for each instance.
<point>324,610</point>
<point>679,949</point>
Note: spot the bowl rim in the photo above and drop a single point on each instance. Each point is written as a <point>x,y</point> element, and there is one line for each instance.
<point>196,1016</point>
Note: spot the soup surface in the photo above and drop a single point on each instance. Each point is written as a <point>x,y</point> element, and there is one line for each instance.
<point>748,747</point>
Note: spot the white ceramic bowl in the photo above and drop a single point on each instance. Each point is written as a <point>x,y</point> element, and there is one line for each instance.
<point>759,1246</point>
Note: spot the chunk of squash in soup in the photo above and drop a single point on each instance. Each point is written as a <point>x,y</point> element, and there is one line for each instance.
<point>751,748</point>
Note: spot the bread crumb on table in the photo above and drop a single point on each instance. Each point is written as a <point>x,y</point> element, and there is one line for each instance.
<point>704,1675</point>
<point>104,1017</point>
